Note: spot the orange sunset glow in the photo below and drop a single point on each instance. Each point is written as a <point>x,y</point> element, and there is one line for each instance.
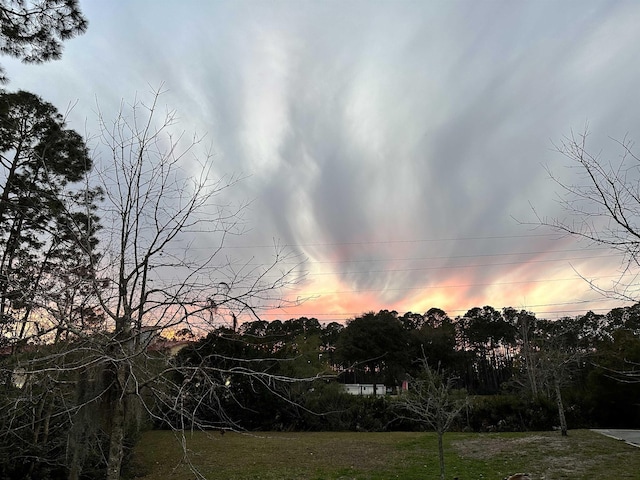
<point>403,153</point>
<point>550,284</point>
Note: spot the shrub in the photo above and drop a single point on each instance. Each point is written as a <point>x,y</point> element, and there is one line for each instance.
<point>510,413</point>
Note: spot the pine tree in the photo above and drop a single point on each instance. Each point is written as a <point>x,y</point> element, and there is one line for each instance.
<point>33,31</point>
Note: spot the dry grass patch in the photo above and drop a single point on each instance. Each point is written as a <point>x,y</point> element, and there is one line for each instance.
<point>486,446</point>
<point>583,455</point>
<point>265,456</point>
<point>549,456</point>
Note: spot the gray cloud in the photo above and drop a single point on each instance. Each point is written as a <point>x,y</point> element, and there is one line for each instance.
<point>362,123</point>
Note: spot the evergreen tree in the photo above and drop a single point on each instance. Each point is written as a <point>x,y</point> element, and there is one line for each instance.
<point>41,213</point>
<point>33,31</point>
<point>48,227</point>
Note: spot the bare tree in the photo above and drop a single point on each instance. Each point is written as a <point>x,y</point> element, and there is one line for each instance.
<point>629,374</point>
<point>157,283</point>
<point>432,401</point>
<point>103,378</point>
<point>558,365</point>
<point>602,206</point>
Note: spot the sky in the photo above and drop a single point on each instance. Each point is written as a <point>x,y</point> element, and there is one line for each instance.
<point>395,149</point>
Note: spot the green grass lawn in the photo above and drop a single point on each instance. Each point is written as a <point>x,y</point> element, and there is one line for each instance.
<point>348,455</point>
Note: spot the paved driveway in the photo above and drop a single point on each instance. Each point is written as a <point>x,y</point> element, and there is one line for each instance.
<point>632,437</point>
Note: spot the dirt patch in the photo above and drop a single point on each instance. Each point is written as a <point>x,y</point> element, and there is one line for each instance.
<point>545,457</point>
<point>484,448</point>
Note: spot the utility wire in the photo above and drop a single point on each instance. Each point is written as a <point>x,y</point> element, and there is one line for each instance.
<point>387,242</point>
<point>380,242</point>
<point>462,285</point>
<point>443,267</point>
<point>460,311</point>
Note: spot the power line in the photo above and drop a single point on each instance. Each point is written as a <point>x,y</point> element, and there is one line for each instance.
<point>431,287</point>
<point>457,266</point>
<point>525,307</point>
<point>449,257</point>
<point>344,315</point>
<point>307,263</point>
<point>387,242</point>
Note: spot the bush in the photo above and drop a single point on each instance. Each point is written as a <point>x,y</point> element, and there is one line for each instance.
<point>510,413</point>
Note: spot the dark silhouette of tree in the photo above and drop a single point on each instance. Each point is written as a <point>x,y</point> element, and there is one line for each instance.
<point>433,336</point>
<point>559,358</point>
<point>525,326</point>
<point>602,207</point>
<point>156,283</point>
<point>486,335</point>
<point>34,30</point>
<point>440,332</point>
<point>48,238</point>
<point>412,321</point>
<point>374,347</point>
<point>39,213</point>
<point>88,379</point>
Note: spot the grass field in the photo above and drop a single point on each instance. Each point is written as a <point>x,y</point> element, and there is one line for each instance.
<point>348,455</point>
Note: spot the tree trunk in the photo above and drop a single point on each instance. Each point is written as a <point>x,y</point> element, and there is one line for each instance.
<point>118,423</point>
<point>116,440</point>
<point>74,467</point>
<point>529,363</point>
<point>441,454</point>
<point>563,420</point>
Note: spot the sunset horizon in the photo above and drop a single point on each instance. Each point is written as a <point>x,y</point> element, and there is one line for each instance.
<point>403,155</point>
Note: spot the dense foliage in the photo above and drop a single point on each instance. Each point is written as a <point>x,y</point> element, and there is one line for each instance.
<point>48,228</point>
<point>508,361</point>
<point>33,30</point>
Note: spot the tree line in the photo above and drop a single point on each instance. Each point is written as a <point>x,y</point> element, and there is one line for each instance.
<point>513,363</point>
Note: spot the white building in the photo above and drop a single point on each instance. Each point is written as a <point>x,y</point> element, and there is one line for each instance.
<point>364,389</point>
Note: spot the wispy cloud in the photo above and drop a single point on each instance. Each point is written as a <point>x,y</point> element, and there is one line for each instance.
<point>368,127</point>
